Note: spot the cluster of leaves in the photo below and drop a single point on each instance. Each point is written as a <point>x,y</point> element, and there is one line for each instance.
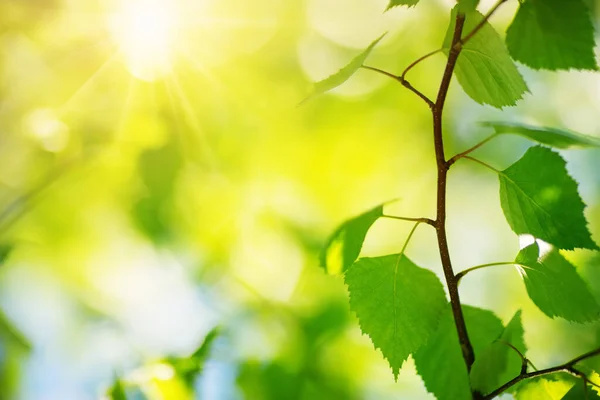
<point>401,306</point>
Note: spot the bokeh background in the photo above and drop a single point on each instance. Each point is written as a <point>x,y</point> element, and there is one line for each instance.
<point>158,180</point>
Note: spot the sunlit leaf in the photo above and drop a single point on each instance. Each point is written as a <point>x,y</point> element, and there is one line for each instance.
<point>543,389</point>
<point>345,73</point>
<point>539,198</point>
<point>484,68</point>
<point>410,3</point>
<point>343,247</point>
<point>555,137</point>
<point>552,34</point>
<point>397,304</point>
<point>498,363</point>
<point>555,287</point>
<point>440,362</point>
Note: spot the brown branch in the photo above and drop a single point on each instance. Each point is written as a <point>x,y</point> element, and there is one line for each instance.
<point>403,82</point>
<point>414,63</point>
<point>567,367</point>
<point>442,170</point>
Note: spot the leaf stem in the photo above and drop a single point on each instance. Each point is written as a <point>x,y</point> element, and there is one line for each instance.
<point>403,82</point>
<point>461,274</point>
<point>414,63</point>
<point>419,220</point>
<point>481,24</point>
<point>410,235</point>
<point>470,150</point>
<point>442,171</point>
<point>488,166</point>
<point>566,367</point>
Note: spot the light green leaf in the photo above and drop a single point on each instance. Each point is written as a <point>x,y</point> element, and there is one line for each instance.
<point>344,74</point>
<point>343,247</point>
<point>397,304</point>
<point>539,197</point>
<point>578,392</point>
<point>543,389</point>
<point>498,363</point>
<point>552,34</point>
<point>484,68</point>
<point>465,6</point>
<point>395,3</point>
<point>555,287</point>
<point>555,137</point>
<point>440,362</point>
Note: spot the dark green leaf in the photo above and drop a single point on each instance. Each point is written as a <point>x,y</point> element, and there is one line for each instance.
<point>344,74</point>
<point>440,362</point>
<point>555,287</point>
<point>499,363</point>
<point>5,250</point>
<point>552,34</point>
<point>539,197</point>
<point>560,138</point>
<point>394,3</point>
<point>484,68</point>
<point>397,304</point>
<point>202,352</point>
<point>117,391</point>
<point>343,247</point>
<point>579,392</point>
<point>189,367</point>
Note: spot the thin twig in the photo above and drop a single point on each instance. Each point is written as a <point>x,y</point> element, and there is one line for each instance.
<point>481,23</point>
<point>461,274</point>
<point>414,63</point>
<point>567,367</point>
<point>420,220</point>
<point>470,150</point>
<point>403,82</point>
<point>410,235</point>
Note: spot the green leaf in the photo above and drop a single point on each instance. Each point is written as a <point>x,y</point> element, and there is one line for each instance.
<point>189,367</point>
<point>543,389</point>
<point>484,68</point>
<point>539,197</point>
<point>440,362</point>
<point>555,137</point>
<point>555,287</point>
<point>398,304</point>
<point>11,333</point>
<point>499,363</point>
<point>344,74</point>
<point>552,34</point>
<point>578,392</point>
<point>343,247</point>
<point>117,391</point>
<point>466,6</point>
<point>395,3</point>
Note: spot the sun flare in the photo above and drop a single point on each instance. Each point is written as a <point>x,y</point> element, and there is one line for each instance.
<point>145,32</point>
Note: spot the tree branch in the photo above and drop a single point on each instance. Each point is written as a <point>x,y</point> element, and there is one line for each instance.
<point>403,82</point>
<point>413,64</point>
<point>567,367</point>
<point>442,170</point>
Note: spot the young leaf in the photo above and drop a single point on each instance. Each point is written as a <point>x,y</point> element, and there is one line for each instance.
<point>347,240</point>
<point>539,197</point>
<point>394,3</point>
<point>397,304</point>
<point>344,74</point>
<point>498,363</point>
<point>484,68</point>
<point>543,389</point>
<point>440,362</point>
<point>552,34</point>
<point>559,138</point>
<point>555,287</point>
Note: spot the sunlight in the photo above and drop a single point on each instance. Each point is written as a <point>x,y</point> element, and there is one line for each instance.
<point>144,30</point>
